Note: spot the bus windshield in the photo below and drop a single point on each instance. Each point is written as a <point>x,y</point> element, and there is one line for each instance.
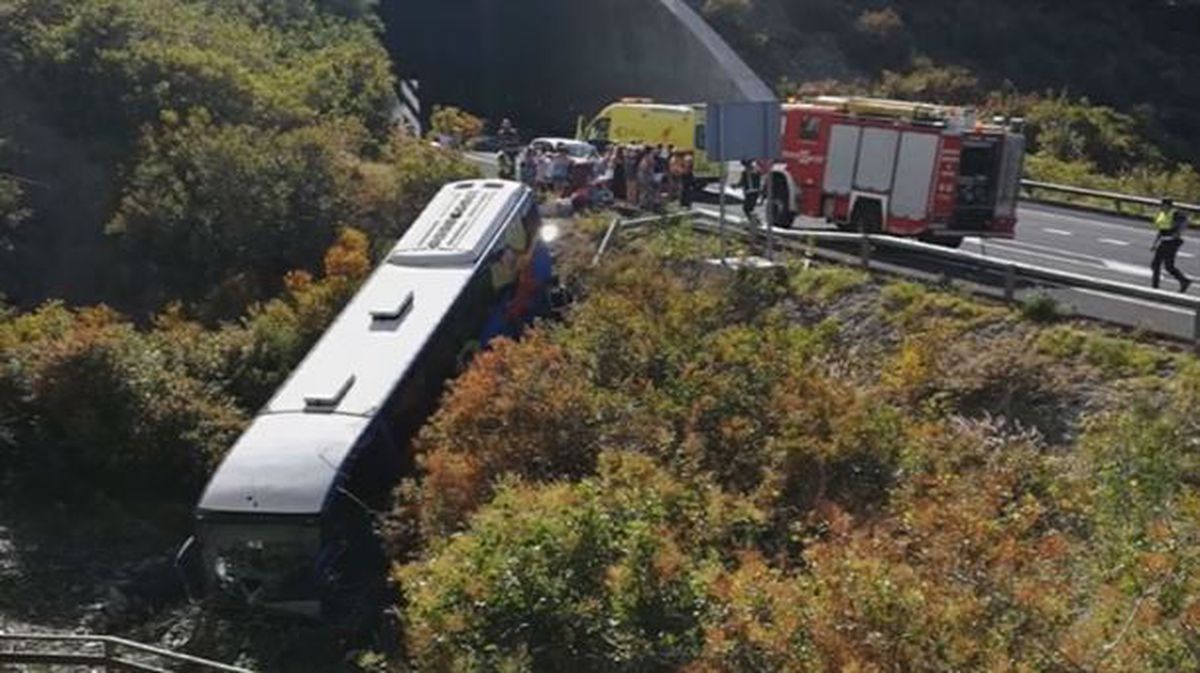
<point>267,563</point>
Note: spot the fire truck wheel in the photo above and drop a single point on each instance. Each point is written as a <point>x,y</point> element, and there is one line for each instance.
<point>867,215</point>
<point>946,241</point>
<point>779,214</point>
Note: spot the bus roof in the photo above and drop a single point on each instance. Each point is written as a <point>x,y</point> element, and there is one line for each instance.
<point>283,464</point>
<point>368,350</point>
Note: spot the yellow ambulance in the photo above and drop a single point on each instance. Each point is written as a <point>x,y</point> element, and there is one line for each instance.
<point>640,121</point>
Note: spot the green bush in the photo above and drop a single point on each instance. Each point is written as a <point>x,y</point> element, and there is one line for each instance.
<point>598,575</point>
<point>227,139</point>
<point>212,210</point>
<point>913,305</point>
<point>128,61</point>
<point>1040,308</point>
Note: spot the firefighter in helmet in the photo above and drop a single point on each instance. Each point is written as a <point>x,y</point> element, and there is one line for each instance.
<point>1169,223</point>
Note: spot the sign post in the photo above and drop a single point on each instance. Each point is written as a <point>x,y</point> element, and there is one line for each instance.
<point>743,131</point>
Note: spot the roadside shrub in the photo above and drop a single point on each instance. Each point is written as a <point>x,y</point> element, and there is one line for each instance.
<point>937,373</point>
<point>89,403</point>
<point>1040,308</point>
<point>454,124</point>
<point>1062,341</point>
<point>389,193</point>
<point>760,619</point>
<point>1121,357</point>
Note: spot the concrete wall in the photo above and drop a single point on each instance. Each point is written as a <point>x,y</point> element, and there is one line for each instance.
<point>544,62</point>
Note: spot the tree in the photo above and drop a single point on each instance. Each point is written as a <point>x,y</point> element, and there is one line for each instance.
<point>128,61</point>
<point>221,212</point>
<point>454,124</point>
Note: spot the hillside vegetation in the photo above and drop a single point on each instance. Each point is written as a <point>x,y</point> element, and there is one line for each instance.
<point>195,149</point>
<point>803,469</point>
<point>1109,89</point>
<point>189,192</point>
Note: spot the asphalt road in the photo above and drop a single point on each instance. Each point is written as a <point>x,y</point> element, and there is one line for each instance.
<point>1097,245</point>
<point>1101,246</point>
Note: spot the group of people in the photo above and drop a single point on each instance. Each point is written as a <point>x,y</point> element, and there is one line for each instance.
<point>649,177</point>
<point>643,176</point>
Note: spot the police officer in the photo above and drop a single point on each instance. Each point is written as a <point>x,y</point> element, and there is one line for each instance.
<point>1170,224</point>
<point>751,188</point>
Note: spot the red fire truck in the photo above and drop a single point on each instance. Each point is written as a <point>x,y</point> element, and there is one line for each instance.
<point>899,168</point>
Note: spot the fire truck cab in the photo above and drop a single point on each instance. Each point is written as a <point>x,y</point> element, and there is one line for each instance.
<point>906,169</point>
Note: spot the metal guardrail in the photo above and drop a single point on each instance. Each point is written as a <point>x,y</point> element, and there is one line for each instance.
<point>1010,270</point>
<point>104,652</point>
<point>1031,187</point>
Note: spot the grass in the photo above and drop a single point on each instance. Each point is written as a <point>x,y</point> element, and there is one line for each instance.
<point>1116,357</point>
<point>826,284</point>
<point>911,305</point>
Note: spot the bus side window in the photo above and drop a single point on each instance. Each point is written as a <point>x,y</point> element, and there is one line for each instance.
<point>810,128</point>
<point>701,137</point>
<point>377,462</point>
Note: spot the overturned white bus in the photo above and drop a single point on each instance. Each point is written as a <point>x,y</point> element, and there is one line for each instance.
<point>286,522</point>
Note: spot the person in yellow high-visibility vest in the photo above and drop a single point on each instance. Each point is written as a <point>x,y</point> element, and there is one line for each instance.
<point>1170,224</point>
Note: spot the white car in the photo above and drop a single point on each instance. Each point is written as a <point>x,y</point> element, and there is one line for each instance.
<point>577,151</point>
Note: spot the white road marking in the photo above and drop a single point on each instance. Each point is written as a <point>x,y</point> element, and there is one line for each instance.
<point>1129,269</point>
<point>1113,241</point>
<point>1057,232</point>
<point>1104,264</point>
<point>1187,255</point>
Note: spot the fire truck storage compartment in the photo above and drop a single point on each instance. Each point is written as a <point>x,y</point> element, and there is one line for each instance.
<point>914,175</point>
<point>843,155</point>
<point>1010,175</point>
<point>977,177</point>
<point>876,159</point>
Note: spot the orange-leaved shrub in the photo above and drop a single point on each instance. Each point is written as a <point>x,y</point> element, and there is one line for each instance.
<point>523,408</point>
